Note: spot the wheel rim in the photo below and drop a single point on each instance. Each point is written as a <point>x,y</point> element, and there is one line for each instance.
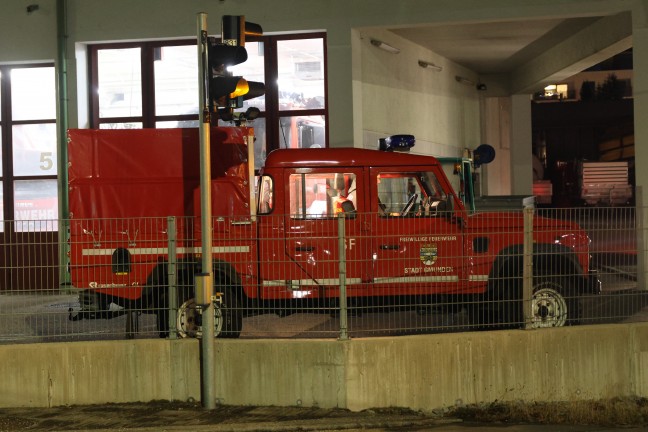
<point>549,308</point>
<point>189,321</point>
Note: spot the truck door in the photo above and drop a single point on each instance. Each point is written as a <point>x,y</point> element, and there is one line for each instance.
<point>416,243</point>
<point>313,199</point>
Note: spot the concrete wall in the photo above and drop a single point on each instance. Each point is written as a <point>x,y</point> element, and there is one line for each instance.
<point>419,372</point>
<point>42,375</point>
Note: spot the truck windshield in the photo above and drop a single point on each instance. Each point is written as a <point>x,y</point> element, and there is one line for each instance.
<point>408,193</point>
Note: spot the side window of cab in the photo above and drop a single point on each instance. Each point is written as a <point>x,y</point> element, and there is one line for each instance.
<point>266,193</point>
<point>322,194</point>
<point>409,194</point>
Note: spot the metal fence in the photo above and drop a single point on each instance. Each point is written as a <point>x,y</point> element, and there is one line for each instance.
<point>295,276</point>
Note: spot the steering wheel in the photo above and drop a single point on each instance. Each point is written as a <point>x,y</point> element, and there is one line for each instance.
<point>409,205</point>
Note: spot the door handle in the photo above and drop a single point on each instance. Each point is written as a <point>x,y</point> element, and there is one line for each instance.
<point>389,247</point>
<point>305,248</point>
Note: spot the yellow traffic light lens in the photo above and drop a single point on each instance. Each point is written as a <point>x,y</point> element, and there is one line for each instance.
<point>241,89</point>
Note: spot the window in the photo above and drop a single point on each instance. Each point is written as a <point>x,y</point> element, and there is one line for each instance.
<point>409,194</point>
<point>320,195</point>
<point>155,85</point>
<point>144,85</point>
<point>266,191</point>
<point>28,171</point>
<point>301,92</point>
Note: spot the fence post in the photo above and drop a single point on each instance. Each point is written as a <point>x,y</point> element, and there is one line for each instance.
<point>172,294</point>
<point>344,335</point>
<point>527,266</point>
<point>639,227</point>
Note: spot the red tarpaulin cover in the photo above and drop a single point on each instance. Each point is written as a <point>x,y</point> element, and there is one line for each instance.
<point>153,172</point>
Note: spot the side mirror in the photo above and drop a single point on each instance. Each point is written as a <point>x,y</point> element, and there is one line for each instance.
<point>349,209</point>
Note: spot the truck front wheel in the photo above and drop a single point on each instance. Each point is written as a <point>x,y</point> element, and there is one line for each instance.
<point>552,304</point>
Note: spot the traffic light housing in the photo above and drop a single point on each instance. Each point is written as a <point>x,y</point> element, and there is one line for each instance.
<point>223,85</point>
<point>235,28</point>
<point>228,92</point>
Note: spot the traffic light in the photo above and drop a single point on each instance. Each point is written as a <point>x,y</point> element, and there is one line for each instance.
<point>234,30</point>
<point>228,92</point>
<point>222,85</point>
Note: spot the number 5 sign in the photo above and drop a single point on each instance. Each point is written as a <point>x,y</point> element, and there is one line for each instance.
<point>46,161</point>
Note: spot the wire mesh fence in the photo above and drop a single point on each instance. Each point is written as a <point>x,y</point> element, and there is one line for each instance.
<point>298,276</point>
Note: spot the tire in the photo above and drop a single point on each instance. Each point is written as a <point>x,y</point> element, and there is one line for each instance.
<point>228,317</point>
<point>495,310</point>
<point>162,314</point>
<point>485,313</point>
<point>553,305</point>
<point>231,313</point>
<point>160,300</point>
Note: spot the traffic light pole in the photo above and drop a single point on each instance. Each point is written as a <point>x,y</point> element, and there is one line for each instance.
<point>207,342</point>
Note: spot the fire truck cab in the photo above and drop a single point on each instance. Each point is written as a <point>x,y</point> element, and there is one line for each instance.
<point>402,226</point>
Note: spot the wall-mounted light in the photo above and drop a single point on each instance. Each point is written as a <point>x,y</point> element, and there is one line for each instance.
<point>431,66</point>
<point>464,80</point>
<point>384,46</point>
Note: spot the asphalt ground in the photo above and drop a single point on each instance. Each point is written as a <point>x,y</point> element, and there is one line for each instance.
<point>177,416</point>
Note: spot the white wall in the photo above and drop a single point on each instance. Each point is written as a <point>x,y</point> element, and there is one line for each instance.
<point>24,37</point>
<point>398,96</point>
<point>370,94</point>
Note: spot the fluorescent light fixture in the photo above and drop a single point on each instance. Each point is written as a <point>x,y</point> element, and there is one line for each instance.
<point>384,46</point>
<point>428,65</point>
<point>464,80</point>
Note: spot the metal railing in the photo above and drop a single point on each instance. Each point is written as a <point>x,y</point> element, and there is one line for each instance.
<point>297,277</point>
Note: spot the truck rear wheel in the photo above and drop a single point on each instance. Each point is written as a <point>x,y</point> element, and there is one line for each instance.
<point>228,320</point>
<point>189,320</point>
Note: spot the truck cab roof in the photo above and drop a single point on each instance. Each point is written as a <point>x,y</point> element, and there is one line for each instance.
<point>318,157</point>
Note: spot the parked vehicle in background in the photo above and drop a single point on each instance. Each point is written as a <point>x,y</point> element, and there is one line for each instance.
<point>604,183</point>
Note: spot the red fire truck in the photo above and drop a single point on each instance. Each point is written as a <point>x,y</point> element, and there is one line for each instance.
<point>382,226</point>
<point>409,238</point>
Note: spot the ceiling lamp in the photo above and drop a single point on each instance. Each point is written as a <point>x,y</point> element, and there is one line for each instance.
<point>464,80</point>
<point>384,46</point>
<point>428,65</point>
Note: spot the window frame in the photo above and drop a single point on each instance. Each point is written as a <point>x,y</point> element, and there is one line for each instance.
<point>148,119</point>
<point>147,59</point>
<point>340,185</point>
<point>421,201</point>
<point>7,123</point>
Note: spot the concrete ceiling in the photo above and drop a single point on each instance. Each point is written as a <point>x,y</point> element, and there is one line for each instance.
<point>526,53</point>
<point>494,47</point>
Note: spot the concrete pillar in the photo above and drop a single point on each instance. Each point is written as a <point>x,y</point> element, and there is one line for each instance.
<point>640,94</point>
<point>495,130</point>
<point>521,145</point>
<point>340,95</point>
<point>506,125</point>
